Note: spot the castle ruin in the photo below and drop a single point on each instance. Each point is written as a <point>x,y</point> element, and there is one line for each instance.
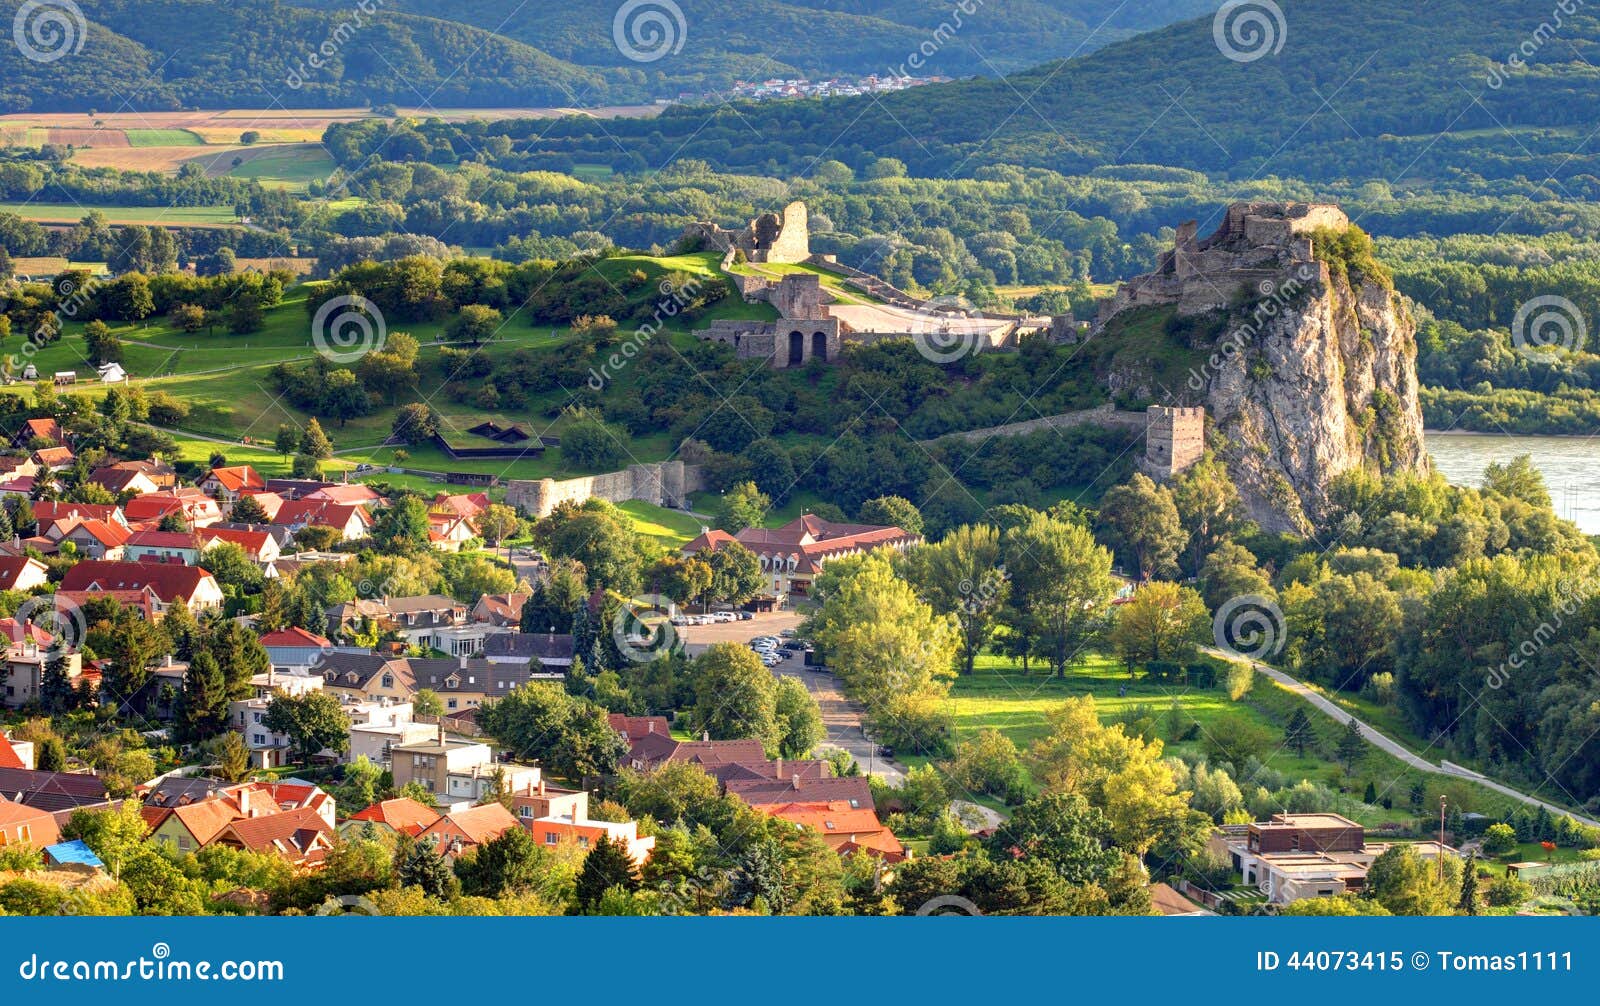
<point>1257,244</point>
<point>783,238</point>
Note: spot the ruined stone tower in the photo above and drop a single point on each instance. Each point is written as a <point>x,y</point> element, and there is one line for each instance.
<point>1174,440</point>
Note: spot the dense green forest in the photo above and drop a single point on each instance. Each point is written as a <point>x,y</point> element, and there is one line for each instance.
<point>1395,75</point>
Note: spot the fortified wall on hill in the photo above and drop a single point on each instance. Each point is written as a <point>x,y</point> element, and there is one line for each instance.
<point>1313,370</point>
<point>666,483</point>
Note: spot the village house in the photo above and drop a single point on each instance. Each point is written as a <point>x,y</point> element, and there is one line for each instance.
<point>352,493</point>
<point>351,520</point>
<point>54,459</point>
<point>300,805</point>
<point>93,539</point>
<point>53,791</point>
<point>301,837</point>
<point>22,573</point>
<point>39,430</point>
<point>181,547</point>
<point>504,610</point>
<point>268,749</point>
<point>793,555</point>
<point>227,484</point>
<point>191,586</point>
<point>15,753</point>
<point>551,652</point>
<point>160,474</point>
<point>364,677</point>
<point>1294,856</point>
<point>376,730</point>
<point>400,816</point>
<point>117,481</point>
<point>457,771</point>
<point>25,661</point>
<point>48,512</point>
<point>449,532</point>
<point>259,546</point>
<point>467,683</point>
<point>294,647</point>
<point>466,827</point>
<point>191,505</point>
<point>24,825</point>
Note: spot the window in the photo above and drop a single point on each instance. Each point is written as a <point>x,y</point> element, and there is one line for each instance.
<point>24,833</point>
<point>183,843</point>
<point>452,703</point>
<point>388,681</point>
<point>551,838</point>
<point>583,841</point>
<point>259,740</point>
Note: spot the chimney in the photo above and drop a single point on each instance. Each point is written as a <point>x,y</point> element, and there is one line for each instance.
<point>778,772</point>
<point>441,730</point>
<point>705,735</point>
<point>794,780</point>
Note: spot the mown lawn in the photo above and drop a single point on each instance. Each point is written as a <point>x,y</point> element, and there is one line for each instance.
<point>999,696</point>
<point>669,527</point>
<point>170,216</point>
<point>163,138</point>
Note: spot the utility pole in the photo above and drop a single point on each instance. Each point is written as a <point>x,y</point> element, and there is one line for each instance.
<point>1441,838</point>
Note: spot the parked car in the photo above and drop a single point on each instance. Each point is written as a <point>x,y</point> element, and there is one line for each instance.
<point>745,616</point>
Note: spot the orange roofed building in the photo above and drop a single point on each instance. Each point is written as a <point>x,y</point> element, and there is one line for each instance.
<point>846,829</point>
<point>792,556</point>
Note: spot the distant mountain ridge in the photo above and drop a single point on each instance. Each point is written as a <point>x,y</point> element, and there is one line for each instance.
<point>169,54</point>
<point>1372,90</point>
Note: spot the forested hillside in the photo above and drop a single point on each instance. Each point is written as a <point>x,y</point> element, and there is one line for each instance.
<point>1395,75</point>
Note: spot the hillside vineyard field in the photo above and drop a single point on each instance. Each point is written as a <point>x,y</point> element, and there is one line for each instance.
<point>812,458</point>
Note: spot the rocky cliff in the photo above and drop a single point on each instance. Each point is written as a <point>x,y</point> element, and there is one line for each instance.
<point>1308,356</point>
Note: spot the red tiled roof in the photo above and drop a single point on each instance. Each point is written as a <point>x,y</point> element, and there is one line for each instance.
<point>353,493</point>
<point>294,636</point>
<point>321,513</point>
<point>237,478</point>
<point>291,834</point>
<point>48,511</point>
<point>107,533</point>
<point>475,825</point>
<point>9,757</point>
<point>41,824</point>
<point>47,429</point>
<point>251,541</point>
<point>401,814</point>
<point>170,581</point>
<point>11,631</point>
<point>12,567</point>
<point>271,503</point>
<point>143,600</point>
<point>156,505</point>
<point>163,539</point>
<point>50,456</point>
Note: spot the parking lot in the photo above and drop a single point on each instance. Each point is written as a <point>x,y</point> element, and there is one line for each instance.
<point>841,718</point>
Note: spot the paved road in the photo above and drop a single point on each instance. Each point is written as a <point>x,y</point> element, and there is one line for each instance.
<point>841,718</point>
<point>1390,746</point>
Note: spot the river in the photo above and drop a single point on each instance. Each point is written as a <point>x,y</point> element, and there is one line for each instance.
<point>1570,465</point>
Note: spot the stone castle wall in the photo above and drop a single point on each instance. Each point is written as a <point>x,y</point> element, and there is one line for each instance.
<point>667,483</point>
<point>1174,438</point>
